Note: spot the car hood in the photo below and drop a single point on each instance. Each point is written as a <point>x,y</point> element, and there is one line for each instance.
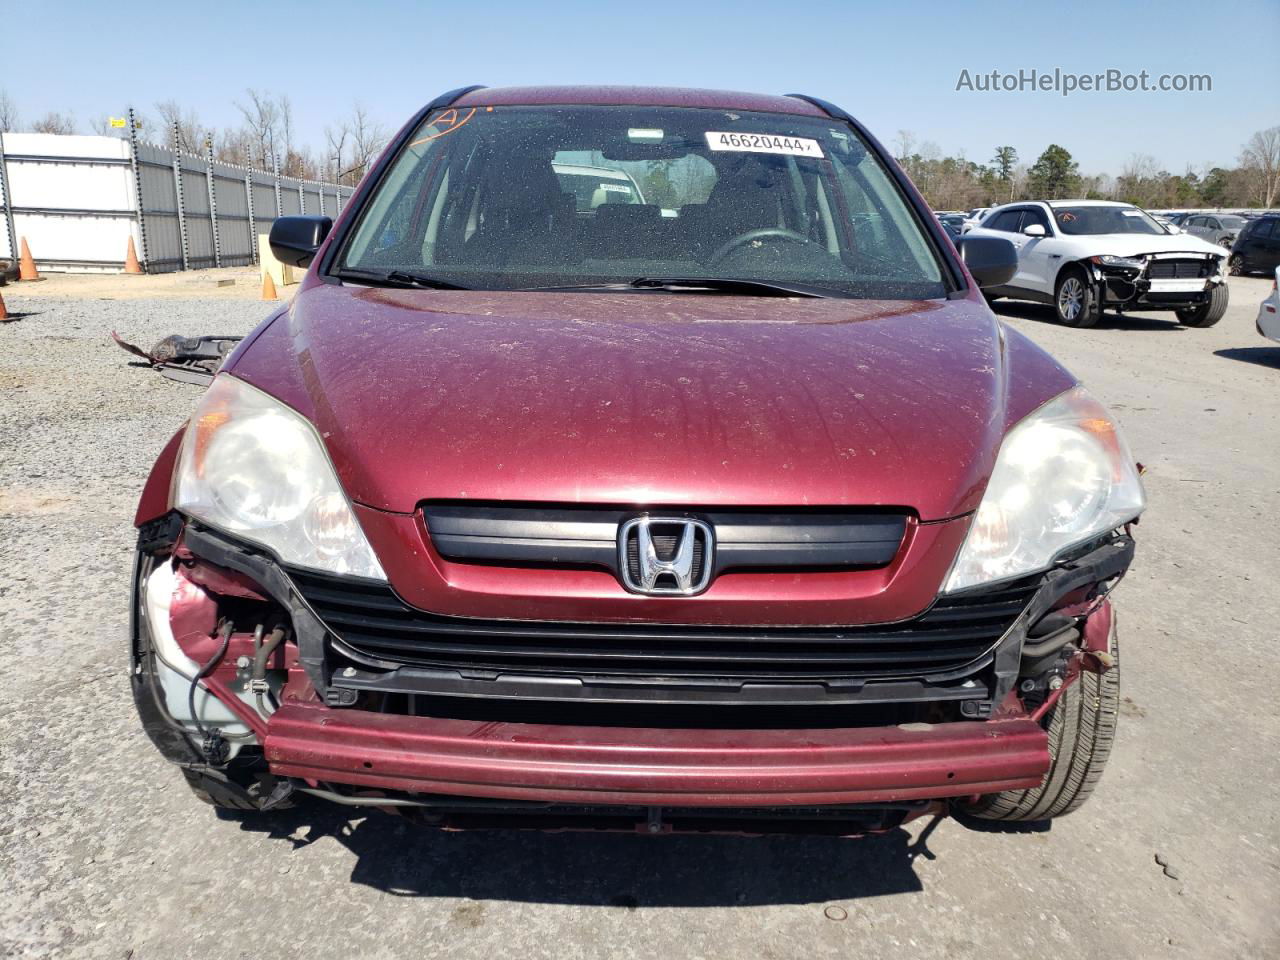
<point>1133,245</point>
<point>651,398</point>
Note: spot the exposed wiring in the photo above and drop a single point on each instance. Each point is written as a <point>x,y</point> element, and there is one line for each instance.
<point>213,742</point>
<point>161,702</point>
<point>258,678</point>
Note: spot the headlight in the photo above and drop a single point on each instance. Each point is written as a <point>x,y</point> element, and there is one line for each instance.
<point>253,467</point>
<point>1127,263</point>
<point>1063,476</point>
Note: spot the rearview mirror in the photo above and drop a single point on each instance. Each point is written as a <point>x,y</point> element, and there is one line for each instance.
<point>1033,230</point>
<point>992,260</point>
<point>295,240</point>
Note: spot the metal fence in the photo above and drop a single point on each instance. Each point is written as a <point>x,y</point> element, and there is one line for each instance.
<point>78,200</point>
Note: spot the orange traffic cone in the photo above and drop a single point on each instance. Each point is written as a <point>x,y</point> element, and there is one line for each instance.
<point>27,266</point>
<point>268,288</point>
<point>4,313</point>
<point>131,264</point>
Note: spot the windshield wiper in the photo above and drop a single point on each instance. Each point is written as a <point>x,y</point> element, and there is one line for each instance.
<point>748,288</point>
<point>397,278</point>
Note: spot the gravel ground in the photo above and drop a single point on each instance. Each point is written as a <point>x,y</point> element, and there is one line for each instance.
<point>104,853</point>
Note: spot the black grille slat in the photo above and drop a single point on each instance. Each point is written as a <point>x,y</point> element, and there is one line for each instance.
<point>650,663</point>
<point>1177,269</point>
<point>994,611</point>
<point>372,620</point>
<point>574,535</point>
<point>337,619</point>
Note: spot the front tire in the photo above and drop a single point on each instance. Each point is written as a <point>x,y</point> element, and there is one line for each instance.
<point>1076,302</point>
<point>1208,313</point>
<point>1082,729</point>
<point>1235,266</point>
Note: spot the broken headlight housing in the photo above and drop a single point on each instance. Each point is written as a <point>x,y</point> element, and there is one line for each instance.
<point>1120,263</point>
<point>253,467</point>
<point>1063,476</point>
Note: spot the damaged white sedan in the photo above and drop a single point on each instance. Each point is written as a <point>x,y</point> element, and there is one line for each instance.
<point>1084,256</point>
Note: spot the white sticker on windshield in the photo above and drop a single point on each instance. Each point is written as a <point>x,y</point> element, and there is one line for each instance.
<point>615,188</point>
<point>763,143</point>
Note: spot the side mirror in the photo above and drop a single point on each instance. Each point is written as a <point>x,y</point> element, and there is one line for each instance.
<point>1034,230</point>
<point>295,240</point>
<point>992,260</point>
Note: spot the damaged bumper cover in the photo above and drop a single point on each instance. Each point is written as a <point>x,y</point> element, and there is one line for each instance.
<point>184,359</point>
<point>603,765</point>
<point>308,740</point>
<point>1159,281</point>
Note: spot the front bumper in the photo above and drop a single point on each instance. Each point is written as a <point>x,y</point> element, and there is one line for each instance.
<point>687,768</point>
<point>368,745</point>
<point>1134,289</point>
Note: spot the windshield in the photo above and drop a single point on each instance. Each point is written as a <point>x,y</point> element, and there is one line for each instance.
<point>1231,223</point>
<point>521,197</point>
<point>1081,221</point>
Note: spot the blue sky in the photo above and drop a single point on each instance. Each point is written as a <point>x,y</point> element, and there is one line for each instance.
<point>895,65</point>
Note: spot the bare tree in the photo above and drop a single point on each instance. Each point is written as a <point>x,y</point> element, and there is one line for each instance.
<point>235,146</point>
<point>297,159</point>
<point>284,114</point>
<point>54,122</point>
<point>1261,157</point>
<point>8,113</point>
<point>1139,180</point>
<point>905,141</point>
<point>368,137</point>
<point>262,120</point>
<point>336,151</point>
<point>191,132</point>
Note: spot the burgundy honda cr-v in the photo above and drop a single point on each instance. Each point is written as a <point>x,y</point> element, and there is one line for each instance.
<point>637,458</point>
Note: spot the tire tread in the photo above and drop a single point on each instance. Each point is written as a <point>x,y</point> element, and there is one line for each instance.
<point>1082,731</point>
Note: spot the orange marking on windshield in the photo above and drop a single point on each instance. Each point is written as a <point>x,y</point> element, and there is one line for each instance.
<point>451,121</point>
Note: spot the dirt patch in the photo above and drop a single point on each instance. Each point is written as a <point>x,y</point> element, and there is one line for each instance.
<point>228,283</point>
<point>16,502</point>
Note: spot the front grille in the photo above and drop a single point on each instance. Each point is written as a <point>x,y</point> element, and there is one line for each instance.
<point>572,535</point>
<point>1178,269</point>
<point>374,623</point>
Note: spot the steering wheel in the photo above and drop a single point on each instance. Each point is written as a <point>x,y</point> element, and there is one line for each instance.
<point>751,236</point>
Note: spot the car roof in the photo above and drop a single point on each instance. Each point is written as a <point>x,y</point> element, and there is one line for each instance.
<point>1087,203</point>
<point>636,97</point>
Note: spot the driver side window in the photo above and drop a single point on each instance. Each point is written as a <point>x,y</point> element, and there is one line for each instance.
<point>1036,215</point>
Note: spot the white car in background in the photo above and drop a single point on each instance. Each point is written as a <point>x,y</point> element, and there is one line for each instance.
<point>973,218</point>
<point>1269,312</point>
<point>1082,256</point>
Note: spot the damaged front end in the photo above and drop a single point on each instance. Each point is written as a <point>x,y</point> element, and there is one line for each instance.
<point>1161,281</point>
<point>254,696</point>
<point>184,359</point>
<point>209,661</point>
